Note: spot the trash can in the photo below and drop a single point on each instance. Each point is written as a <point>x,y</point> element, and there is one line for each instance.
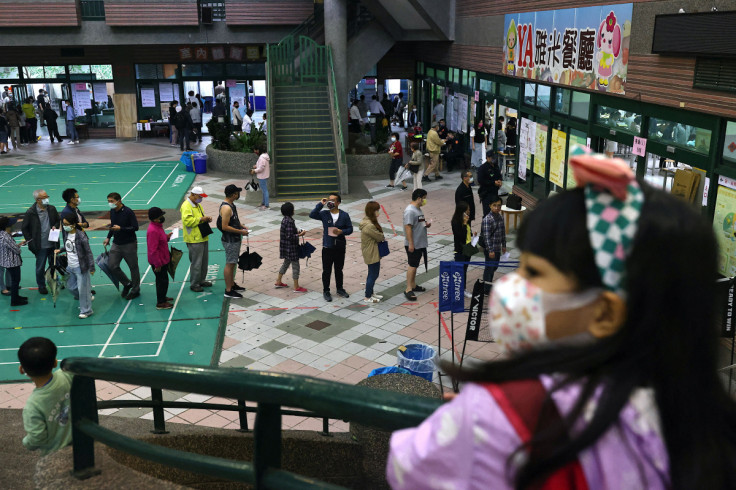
<point>200,163</point>
<point>419,359</point>
<point>388,370</point>
<point>187,160</point>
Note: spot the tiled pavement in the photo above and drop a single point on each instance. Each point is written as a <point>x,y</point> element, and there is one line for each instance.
<point>279,330</point>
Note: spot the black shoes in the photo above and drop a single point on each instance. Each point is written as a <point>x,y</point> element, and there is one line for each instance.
<point>206,284</point>
<point>233,294</point>
<point>133,295</point>
<point>22,300</point>
<point>410,295</point>
<point>238,288</point>
<point>126,290</point>
<point>438,177</point>
<point>343,293</point>
<point>197,289</point>
<point>418,289</point>
<point>43,290</point>
<point>327,296</point>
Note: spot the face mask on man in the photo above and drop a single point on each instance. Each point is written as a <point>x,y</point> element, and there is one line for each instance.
<point>198,200</point>
<point>112,205</point>
<point>162,219</point>
<point>424,202</point>
<point>45,202</point>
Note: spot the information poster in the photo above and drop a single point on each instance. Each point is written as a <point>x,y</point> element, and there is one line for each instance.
<point>237,94</point>
<point>82,101</point>
<point>100,91</point>
<point>527,145</point>
<point>148,97</point>
<point>574,140</point>
<point>165,91</point>
<point>451,113</point>
<point>724,225</point>
<point>462,113</point>
<point>557,157</point>
<point>540,153</point>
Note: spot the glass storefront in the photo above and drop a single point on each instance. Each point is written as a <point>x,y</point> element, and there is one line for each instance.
<point>677,133</point>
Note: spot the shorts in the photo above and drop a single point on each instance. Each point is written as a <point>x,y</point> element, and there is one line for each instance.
<point>232,252</point>
<point>4,137</point>
<point>414,257</point>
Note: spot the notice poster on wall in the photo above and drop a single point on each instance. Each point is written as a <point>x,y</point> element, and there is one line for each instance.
<point>724,225</point>
<point>523,156</point>
<point>540,152</point>
<point>165,91</point>
<point>82,101</point>
<point>574,140</point>
<point>148,97</point>
<point>452,113</point>
<point>462,113</point>
<point>100,91</point>
<point>557,157</point>
<point>237,94</point>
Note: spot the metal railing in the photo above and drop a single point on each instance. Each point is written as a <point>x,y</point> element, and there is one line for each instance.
<point>92,9</point>
<point>327,399</point>
<point>298,61</point>
<point>337,120</point>
<point>312,25</point>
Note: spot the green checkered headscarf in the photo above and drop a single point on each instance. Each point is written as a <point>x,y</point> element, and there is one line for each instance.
<point>613,200</point>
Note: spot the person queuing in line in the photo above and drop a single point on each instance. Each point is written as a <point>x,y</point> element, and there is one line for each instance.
<point>493,232</point>
<point>462,235</point>
<point>375,107</point>
<point>25,129</point>
<point>439,111</point>
<point>500,136</point>
<point>159,256</point>
<point>46,414</point>
<point>30,113</point>
<point>415,240</point>
<point>237,118</point>
<point>399,106</point>
<point>511,132</point>
<point>4,131</point>
<point>289,248</point>
<point>41,102</point>
<point>71,128</point>
<point>81,264</point>
<point>264,124</point>
<point>490,179</point>
<point>464,193</point>
<point>397,160</point>
<point>192,216</point>
<point>196,114</point>
<point>50,116</point>
<point>356,122</point>
<point>371,234</point>
<point>434,147</point>
<point>479,142</point>
<point>248,121</point>
<point>415,164</point>
<point>413,117</point>
<point>173,131</point>
<point>10,260</point>
<point>11,114</point>
<point>72,200</point>
<point>455,153</point>
<point>184,126</point>
<point>388,107</point>
<point>442,130</point>
<point>609,382</point>
<point>40,219</point>
<point>219,111</point>
<point>123,226</point>
<point>336,226</point>
<point>191,98</point>
<point>262,170</point>
<point>5,281</point>
<point>233,232</point>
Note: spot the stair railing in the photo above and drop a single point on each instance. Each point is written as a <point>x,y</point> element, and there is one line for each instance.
<point>371,407</point>
<point>338,123</point>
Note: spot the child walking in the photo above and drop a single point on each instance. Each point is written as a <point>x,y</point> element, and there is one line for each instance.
<point>159,256</point>
<point>47,410</point>
<point>611,378</point>
<point>289,248</point>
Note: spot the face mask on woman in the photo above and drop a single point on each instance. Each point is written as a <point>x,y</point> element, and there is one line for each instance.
<point>393,138</point>
<point>68,228</point>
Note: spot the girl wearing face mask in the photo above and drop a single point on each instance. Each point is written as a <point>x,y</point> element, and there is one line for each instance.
<point>371,234</point>
<point>397,160</point>
<point>610,379</point>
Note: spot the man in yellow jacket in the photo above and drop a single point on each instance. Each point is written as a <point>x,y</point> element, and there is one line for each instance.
<point>192,216</point>
<point>434,145</point>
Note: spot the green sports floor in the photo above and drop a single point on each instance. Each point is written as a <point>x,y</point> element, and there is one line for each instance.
<point>142,184</point>
<point>190,333</point>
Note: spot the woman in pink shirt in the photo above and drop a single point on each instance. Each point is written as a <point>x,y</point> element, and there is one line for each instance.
<point>159,256</point>
<point>262,171</point>
<point>610,379</point>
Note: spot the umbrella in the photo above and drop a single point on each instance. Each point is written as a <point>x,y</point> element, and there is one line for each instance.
<point>425,259</point>
<point>55,279</point>
<point>176,255</point>
<point>103,263</point>
<point>402,174</point>
<point>249,261</point>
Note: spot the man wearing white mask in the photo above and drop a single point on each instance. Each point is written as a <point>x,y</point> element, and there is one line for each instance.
<point>38,222</point>
<point>123,225</point>
<point>195,223</point>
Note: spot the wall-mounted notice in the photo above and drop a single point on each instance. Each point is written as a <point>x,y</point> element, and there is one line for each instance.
<point>148,97</point>
<point>100,91</point>
<point>540,154</point>
<point>165,91</point>
<point>640,146</point>
<point>557,157</point>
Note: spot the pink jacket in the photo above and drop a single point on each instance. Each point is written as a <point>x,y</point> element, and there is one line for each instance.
<point>158,245</point>
<point>263,169</point>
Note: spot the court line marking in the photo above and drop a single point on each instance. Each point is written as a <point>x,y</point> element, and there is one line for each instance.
<point>22,173</point>
<point>117,324</point>
<point>139,181</point>
<point>176,303</point>
<point>162,184</point>
<point>91,345</point>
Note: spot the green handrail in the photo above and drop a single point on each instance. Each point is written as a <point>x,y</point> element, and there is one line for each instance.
<point>377,408</point>
<point>336,104</point>
<point>269,107</point>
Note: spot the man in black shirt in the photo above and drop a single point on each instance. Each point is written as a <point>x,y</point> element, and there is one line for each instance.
<point>442,131</point>
<point>465,193</point>
<point>123,225</point>
<point>490,179</point>
<point>455,154</point>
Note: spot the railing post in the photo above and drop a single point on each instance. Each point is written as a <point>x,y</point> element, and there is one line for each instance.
<point>243,415</point>
<point>83,407</point>
<point>267,440</point>
<point>326,427</point>
<point>159,425</point>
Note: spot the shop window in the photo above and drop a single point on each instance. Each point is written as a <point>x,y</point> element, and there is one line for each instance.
<point>430,72</point>
<point>78,69</point>
<point>682,135</point>
<point>562,100</point>
<point>580,105</point>
<point>147,71</point>
<point>508,91</point>
<point>471,79</point>
<point>486,86</point>
<point>8,72</point>
<point>465,78</point>
<point>543,97</point>
<point>729,147</point>
<point>54,71</point>
<point>420,67</point>
<point>33,71</point>
<point>191,70</point>
<point>236,69</point>
<point>441,75</point>
<point>619,120</point>
<point>101,72</point>
<point>212,69</point>
<point>169,71</point>
<point>530,94</point>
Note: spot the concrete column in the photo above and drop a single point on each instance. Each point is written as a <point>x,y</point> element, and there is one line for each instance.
<point>336,36</point>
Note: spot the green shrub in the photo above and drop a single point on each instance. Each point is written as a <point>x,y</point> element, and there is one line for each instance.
<point>220,133</point>
<point>247,142</point>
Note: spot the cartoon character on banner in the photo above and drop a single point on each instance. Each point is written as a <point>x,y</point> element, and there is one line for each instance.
<point>609,47</point>
<point>510,48</point>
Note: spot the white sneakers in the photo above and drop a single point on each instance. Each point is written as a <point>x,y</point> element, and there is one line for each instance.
<point>468,295</point>
<point>372,299</point>
<point>86,315</point>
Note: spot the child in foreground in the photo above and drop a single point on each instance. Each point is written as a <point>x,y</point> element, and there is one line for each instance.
<point>611,379</point>
<point>46,416</point>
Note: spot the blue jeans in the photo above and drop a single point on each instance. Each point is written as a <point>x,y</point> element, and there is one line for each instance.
<point>43,256</point>
<point>79,284</point>
<point>264,189</point>
<point>373,270</point>
<point>71,131</point>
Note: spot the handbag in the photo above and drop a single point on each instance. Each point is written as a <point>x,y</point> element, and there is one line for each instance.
<point>253,185</point>
<point>205,229</point>
<point>514,202</point>
<point>176,256</point>
<point>383,249</point>
<point>469,250</point>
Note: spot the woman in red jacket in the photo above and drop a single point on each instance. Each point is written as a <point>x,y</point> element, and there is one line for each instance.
<point>159,256</point>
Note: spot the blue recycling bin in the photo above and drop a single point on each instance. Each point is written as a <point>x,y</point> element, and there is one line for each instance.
<point>200,163</point>
<point>188,160</point>
<point>419,360</point>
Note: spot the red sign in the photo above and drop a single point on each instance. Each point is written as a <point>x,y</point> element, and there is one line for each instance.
<point>200,54</point>
<point>185,54</point>
<point>218,53</point>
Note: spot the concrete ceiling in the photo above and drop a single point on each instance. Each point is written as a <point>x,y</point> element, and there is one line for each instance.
<point>405,14</point>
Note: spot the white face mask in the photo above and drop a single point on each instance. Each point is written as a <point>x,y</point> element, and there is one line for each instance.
<point>67,228</point>
<point>112,205</point>
<point>79,200</point>
<point>45,202</point>
<point>393,138</point>
<point>518,311</point>
<point>414,110</point>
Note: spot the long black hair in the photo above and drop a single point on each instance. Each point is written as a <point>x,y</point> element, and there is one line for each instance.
<point>668,341</point>
<point>460,209</point>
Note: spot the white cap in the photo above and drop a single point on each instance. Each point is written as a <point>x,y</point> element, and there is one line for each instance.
<point>198,190</point>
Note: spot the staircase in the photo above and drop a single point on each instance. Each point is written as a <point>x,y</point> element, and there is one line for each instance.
<point>304,143</point>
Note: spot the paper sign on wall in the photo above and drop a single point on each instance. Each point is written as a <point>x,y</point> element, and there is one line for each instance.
<point>640,146</point>
<point>80,86</point>
<point>557,157</point>
<point>148,97</point>
<point>100,91</point>
<point>477,96</point>
<point>705,191</point>
<point>139,126</point>
<point>148,126</point>
<point>166,91</point>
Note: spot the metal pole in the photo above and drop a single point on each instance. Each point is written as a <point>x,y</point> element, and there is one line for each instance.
<point>159,425</point>
<point>83,407</point>
<point>267,441</point>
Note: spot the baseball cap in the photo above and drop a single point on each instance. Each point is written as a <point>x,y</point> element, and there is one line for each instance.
<point>232,189</point>
<point>155,213</point>
<point>198,190</point>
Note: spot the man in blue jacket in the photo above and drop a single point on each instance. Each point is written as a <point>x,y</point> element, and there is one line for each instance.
<point>337,225</point>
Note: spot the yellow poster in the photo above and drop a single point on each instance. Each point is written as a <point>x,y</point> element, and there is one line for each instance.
<point>540,154</point>
<point>574,140</point>
<point>724,225</point>
<point>557,157</point>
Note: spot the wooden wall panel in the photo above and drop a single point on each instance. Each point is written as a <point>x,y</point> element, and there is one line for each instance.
<point>172,14</point>
<point>264,12</point>
<point>473,8</point>
<point>62,13</point>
